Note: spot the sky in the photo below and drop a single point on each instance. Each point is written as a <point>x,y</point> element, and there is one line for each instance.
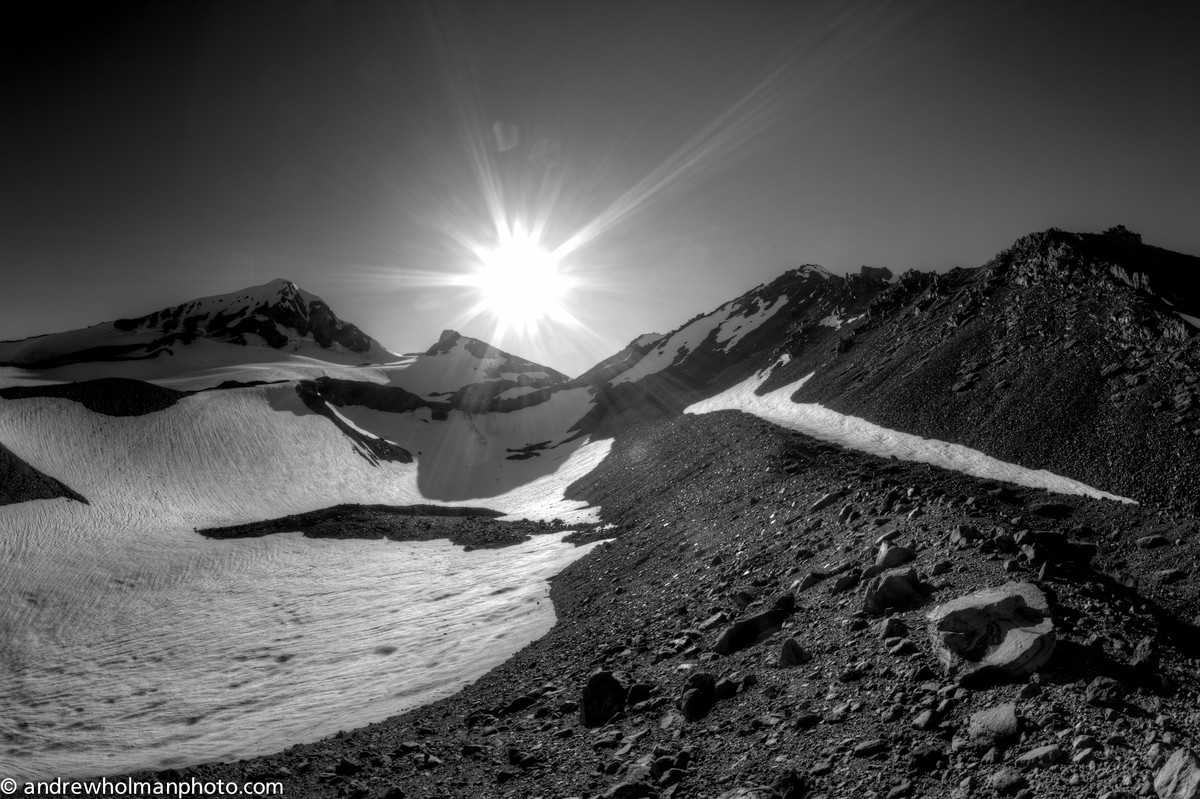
<point>671,155</point>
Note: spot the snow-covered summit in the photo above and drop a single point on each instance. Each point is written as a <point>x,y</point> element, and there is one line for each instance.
<point>277,315</point>
<point>456,362</point>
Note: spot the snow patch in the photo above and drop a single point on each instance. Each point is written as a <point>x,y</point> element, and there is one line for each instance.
<point>1194,321</point>
<point>853,432</point>
<point>735,328</point>
<point>679,345</point>
<point>836,321</point>
<point>516,391</point>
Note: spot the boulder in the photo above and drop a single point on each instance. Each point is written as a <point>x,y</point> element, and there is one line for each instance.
<point>602,698</point>
<point>792,654</point>
<point>994,727</point>
<point>894,590</point>
<point>1106,692</point>
<point>891,556</point>
<point>699,696</point>
<point>1179,778</point>
<point>750,630</point>
<point>996,633</point>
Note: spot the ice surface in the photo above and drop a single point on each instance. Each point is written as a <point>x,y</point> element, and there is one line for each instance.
<point>850,431</point>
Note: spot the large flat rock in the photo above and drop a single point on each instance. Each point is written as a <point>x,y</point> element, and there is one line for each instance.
<point>999,633</point>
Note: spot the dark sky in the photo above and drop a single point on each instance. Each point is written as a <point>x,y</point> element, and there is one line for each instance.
<point>158,151</point>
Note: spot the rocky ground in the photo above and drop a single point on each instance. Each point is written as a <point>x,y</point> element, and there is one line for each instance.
<point>745,649</point>
<point>470,528</point>
<point>20,482</point>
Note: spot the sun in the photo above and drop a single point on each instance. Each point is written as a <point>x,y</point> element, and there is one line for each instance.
<point>520,282</point>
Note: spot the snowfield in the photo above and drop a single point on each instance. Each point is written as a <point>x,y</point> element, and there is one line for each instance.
<point>131,641</point>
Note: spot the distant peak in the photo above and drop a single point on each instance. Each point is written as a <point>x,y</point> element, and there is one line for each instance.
<point>809,270</point>
<point>445,342</point>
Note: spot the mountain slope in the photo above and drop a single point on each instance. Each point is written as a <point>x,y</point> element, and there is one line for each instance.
<point>276,315</point>
<point>1074,353</point>
<point>661,376</point>
<point>1060,353</point>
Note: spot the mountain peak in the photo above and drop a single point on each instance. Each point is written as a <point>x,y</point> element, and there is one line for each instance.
<point>445,342</point>
<point>277,314</point>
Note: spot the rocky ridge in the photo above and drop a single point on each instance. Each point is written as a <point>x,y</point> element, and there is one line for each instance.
<point>1066,352</point>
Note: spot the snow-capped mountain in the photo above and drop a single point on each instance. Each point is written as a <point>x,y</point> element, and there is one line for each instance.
<point>276,316</point>
<point>466,371</point>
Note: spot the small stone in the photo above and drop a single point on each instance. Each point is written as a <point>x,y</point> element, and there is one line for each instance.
<point>925,720</point>
<point>995,726</point>
<point>845,582</point>
<point>827,500</point>
<point>1007,781</point>
<point>1040,757</point>
<point>806,582</point>
<point>629,789</point>
<point>870,748</point>
<point>1167,576</point>
<point>925,759</point>
<point>1029,691</point>
<point>1051,510</point>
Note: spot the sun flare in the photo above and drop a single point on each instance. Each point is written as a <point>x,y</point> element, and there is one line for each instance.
<point>520,282</point>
